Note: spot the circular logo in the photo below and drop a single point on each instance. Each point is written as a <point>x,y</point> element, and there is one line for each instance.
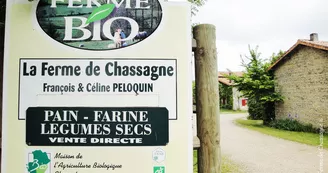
<point>159,155</point>
<point>99,24</point>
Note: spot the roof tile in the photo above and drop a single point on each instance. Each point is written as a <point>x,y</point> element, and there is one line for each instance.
<point>226,81</point>
<point>323,45</point>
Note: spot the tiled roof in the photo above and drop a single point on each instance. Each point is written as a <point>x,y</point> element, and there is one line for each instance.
<point>316,44</point>
<point>226,81</point>
<point>238,73</point>
<point>323,45</point>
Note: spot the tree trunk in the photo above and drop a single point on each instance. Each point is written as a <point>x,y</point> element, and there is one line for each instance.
<point>207,99</point>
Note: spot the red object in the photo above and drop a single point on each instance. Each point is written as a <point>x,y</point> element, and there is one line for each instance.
<point>244,102</point>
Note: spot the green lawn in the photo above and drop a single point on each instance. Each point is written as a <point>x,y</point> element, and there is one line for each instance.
<point>227,166</point>
<point>301,137</point>
<point>228,111</point>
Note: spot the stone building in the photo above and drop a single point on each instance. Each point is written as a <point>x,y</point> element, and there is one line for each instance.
<point>301,76</point>
<point>238,101</point>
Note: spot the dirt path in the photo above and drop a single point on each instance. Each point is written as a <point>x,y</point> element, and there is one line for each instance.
<point>260,153</point>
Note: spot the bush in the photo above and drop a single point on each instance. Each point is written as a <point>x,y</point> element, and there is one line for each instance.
<point>269,109</point>
<point>259,110</point>
<point>292,125</point>
<point>227,105</point>
<point>255,109</point>
<point>225,93</point>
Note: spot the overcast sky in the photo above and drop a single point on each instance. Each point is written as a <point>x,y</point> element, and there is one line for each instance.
<point>272,25</point>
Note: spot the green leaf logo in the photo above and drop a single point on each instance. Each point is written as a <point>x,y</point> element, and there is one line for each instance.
<point>100,13</point>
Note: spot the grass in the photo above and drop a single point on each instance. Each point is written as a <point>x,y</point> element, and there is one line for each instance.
<point>228,111</point>
<point>301,137</point>
<point>227,166</point>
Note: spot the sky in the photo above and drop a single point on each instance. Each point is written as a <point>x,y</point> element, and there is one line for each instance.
<point>272,25</point>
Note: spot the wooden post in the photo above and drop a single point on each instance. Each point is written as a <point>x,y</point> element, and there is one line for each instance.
<point>207,99</point>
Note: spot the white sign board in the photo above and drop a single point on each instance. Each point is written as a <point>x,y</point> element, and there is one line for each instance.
<point>96,86</point>
<point>98,82</point>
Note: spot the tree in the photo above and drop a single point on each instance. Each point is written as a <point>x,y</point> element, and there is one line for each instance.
<point>274,57</point>
<point>257,84</point>
<point>195,4</point>
<point>225,93</point>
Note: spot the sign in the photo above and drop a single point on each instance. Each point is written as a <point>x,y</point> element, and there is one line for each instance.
<point>159,169</point>
<point>38,161</point>
<point>97,86</point>
<point>128,82</point>
<point>99,25</point>
<point>159,155</point>
<point>82,126</point>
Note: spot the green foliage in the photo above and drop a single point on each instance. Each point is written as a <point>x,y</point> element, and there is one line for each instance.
<point>255,109</point>
<point>257,84</point>
<point>225,92</point>
<point>195,4</point>
<point>292,125</point>
<point>230,111</point>
<point>275,57</point>
<point>227,165</point>
<point>301,137</point>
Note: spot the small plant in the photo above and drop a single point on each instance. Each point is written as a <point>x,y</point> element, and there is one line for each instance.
<point>291,124</point>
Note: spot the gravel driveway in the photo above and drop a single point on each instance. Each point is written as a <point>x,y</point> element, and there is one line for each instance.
<point>260,153</point>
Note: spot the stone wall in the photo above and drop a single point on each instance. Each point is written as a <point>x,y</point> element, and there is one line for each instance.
<point>303,80</point>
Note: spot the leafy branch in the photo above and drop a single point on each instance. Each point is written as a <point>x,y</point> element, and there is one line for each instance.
<point>195,4</point>
<point>258,84</point>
